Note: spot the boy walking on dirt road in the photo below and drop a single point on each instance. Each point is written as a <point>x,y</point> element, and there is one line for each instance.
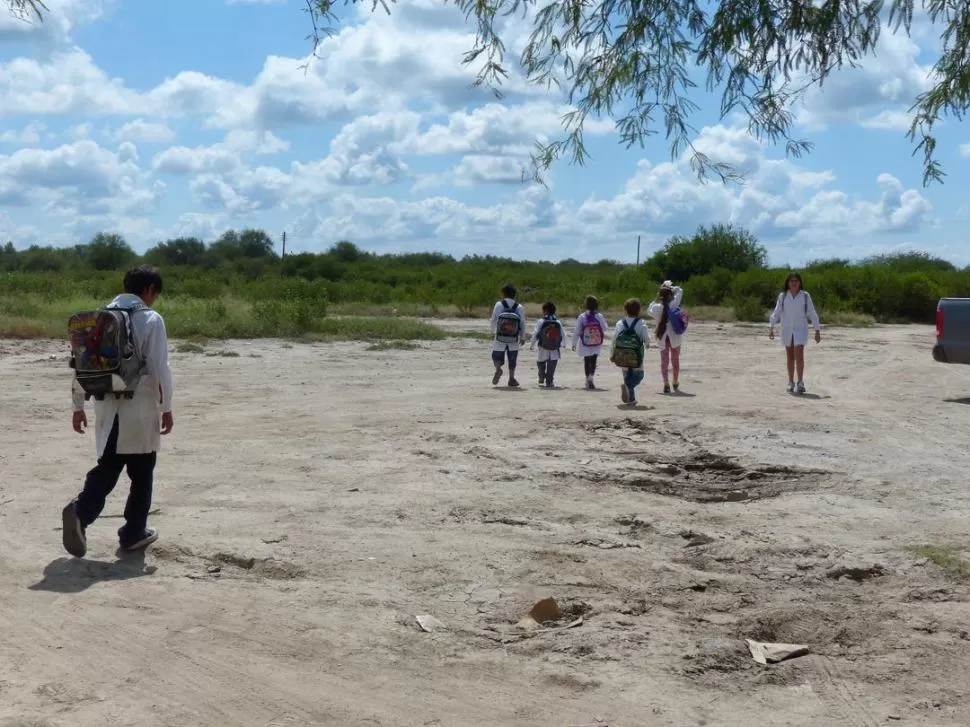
<point>508,333</point>
<point>127,430</point>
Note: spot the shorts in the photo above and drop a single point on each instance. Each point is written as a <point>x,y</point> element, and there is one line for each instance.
<point>499,357</point>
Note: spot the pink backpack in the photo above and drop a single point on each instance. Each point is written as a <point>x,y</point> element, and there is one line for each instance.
<point>591,333</point>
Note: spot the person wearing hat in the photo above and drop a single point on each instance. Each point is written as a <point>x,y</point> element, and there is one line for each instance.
<point>668,299</point>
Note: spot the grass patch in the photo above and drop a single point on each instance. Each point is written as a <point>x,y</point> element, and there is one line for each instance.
<point>375,329</point>
<point>222,354</point>
<point>712,314</point>
<point>475,335</point>
<point>392,346</point>
<point>197,321</point>
<point>949,559</point>
<point>848,319</point>
<point>189,347</point>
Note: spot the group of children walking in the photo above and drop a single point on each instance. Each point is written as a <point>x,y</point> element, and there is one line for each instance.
<point>794,310</point>
<point>631,338</point>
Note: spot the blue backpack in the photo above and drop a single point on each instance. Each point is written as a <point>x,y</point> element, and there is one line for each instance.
<point>678,320</point>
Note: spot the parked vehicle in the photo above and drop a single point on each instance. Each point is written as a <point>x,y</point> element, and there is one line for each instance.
<point>952,331</point>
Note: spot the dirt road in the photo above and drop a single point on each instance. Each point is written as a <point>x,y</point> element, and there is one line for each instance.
<point>314,499</point>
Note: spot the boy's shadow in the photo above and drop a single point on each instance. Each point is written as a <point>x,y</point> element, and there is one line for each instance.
<point>638,407</point>
<point>807,395</point>
<point>681,394</point>
<point>508,388</point>
<point>73,575</point>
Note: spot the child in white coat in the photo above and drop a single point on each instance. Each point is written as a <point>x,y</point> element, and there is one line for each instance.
<point>668,298</point>
<point>127,431</point>
<point>794,309</point>
<point>550,335</point>
<point>588,337</point>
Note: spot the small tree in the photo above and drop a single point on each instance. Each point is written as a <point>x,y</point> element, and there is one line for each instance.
<point>108,251</point>
<point>180,251</point>
<point>723,247</point>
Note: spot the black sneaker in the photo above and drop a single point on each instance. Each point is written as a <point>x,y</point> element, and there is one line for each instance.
<point>549,384</point>
<point>666,388</point>
<point>676,386</point>
<point>72,531</point>
<point>513,383</point>
<point>497,377</point>
<point>147,538</point>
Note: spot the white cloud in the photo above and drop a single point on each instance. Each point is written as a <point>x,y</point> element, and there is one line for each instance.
<point>144,132</point>
<point>30,134</point>
<point>381,139</point>
<point>965,150</point>
<point>892,78</point>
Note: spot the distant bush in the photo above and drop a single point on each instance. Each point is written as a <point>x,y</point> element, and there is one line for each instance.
<point>239,286</point>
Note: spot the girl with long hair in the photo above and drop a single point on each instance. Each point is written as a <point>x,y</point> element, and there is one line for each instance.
<point>668,298</point>
<point>794,309</point>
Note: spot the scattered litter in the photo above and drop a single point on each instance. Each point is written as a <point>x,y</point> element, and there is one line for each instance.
<point>894,717</point>
<point>270,541</point>
<point>354,489</point>
<point>585,461</point>
<point>546,613</point>
<point>773,653</point>
<point>214,569</point>
<point>429,623</point>
<point>542,612</point>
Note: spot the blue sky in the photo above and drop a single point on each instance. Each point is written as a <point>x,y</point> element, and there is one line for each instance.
<point>162,119</point>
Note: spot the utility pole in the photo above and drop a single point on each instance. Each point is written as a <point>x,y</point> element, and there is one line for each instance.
<point>638,250</point>
<point>283,256</point>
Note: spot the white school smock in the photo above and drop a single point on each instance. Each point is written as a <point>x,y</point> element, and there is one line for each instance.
<point>139,418</point>
<point>640,326</point>
<point>794,315</point>
<point>546,354</point>
<point>656,309</point>
<point>499,308</point>
<point>578,335</point>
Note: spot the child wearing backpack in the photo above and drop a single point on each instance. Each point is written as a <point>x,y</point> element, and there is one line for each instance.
<point>671,324</point>
<point>794,309</point>
<point>588,337</point>
<point>549,334</point>
<point>630,341</point>
<point>133,406</point>
<point>508,333</point>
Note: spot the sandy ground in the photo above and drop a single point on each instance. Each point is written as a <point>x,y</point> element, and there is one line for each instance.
<point>314,499</point>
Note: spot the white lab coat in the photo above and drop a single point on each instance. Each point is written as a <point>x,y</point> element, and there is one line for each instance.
<point>498,309</point>
<point>139,418</point>
<point>578,335</point>
<point>546,354</point>
<point>640,326</point>
<point>656,309</point>
<point>794,314</point>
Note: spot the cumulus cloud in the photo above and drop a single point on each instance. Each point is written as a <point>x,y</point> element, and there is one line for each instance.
<point>144,132</point>
<point>892,78</point>
<point>382,139</point>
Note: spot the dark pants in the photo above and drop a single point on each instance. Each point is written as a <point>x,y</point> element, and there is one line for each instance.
<point>101,480</point>
<point>547,371</point>
<point>589,363</point>
<point>499,357</point>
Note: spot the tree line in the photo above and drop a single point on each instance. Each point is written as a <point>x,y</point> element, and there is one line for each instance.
<point>720,265</point>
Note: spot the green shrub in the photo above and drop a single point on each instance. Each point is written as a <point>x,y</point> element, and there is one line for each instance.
<point>750,309</point>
